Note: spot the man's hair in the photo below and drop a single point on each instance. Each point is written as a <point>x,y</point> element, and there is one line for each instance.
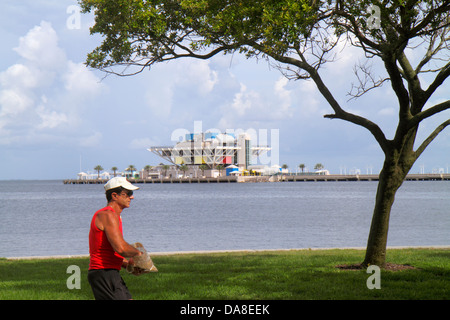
<point>109,192</point>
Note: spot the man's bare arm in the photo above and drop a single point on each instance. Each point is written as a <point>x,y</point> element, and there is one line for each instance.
<point>109,223</point>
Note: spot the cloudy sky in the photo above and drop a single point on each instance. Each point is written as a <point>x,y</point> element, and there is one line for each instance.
<point>58,117</point>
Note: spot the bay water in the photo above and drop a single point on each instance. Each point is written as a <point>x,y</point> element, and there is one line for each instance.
<point>41,218</point>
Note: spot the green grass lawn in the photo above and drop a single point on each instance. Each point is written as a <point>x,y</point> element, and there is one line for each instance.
<point>267,275</point>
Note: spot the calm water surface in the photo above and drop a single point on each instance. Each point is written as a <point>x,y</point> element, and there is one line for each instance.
<point>50,218</point>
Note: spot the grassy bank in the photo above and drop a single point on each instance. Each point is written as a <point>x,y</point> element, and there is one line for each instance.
<point>291,275</point>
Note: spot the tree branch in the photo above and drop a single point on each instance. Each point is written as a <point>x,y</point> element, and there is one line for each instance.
<point>373,128</point>
<point>434,49</point>
<point>367,81</point>
<point>421,28</point>
<point>440,78</point>
<point>398,86</point>
<point>430,138</point>
<point>428,113</point>
<point>344,115</point>
<point>326,93</point>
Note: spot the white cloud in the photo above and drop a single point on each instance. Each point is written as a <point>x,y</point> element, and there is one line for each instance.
<point>285,97</point>
<point>258,106</point>
<point>347,56</point>
<point>50,119</point>
<point>12,102</point>
<point>79,80</point>
<point>196,73</point>
<point>309,99</point>
<point>20,76</point>
<point>190,77</point>
<point>243,101</point>
<point>40,46</point>
<point>44,91</point>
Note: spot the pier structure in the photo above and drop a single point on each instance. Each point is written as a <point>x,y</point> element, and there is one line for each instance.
<point>362,177</point>
<point>211,150</point>
<point>274,178</point>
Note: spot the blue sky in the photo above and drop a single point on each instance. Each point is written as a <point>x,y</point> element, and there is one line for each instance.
<point>57,116</point>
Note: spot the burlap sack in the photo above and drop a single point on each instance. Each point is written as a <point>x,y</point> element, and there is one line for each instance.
<point>142,263</point>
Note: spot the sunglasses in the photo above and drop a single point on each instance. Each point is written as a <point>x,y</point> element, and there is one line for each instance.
<point>129,193</point>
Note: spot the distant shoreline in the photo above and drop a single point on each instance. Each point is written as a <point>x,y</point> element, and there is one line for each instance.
<point>277,178</point>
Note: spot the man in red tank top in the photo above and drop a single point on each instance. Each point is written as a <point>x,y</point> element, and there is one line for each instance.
<point>108,250</point>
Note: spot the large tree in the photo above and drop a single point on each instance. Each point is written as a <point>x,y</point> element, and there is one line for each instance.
<point>299,37</point>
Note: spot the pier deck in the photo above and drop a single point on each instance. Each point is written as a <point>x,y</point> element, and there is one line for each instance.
<point>364,177</point>
<point>168,180</point>
<point>280,178</point>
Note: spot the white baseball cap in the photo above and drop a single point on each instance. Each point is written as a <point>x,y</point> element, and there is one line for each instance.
<point>119,182</point>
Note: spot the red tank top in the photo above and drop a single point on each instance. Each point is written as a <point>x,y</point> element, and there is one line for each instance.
<point>102,255</point>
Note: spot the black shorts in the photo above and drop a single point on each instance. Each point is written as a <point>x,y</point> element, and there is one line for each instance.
<point>107,284</point>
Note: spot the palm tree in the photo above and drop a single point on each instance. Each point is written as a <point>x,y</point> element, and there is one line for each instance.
<point>114,169</point>
<point>302,166</point>
<point>318,167</point>
<point>131,168</point>
<point>220,168</point>
<point>165,167</point>
<point>184,168</point>
<point>98,168</point>
<point>203,167</point>
<point>148,168</point>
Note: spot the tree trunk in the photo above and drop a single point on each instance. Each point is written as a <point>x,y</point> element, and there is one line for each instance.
<point>391,178</point>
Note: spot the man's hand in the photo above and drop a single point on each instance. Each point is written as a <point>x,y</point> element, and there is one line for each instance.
<point>138,271</point>
<point>131,268</point>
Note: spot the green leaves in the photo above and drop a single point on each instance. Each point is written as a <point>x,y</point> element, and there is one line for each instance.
<point>159,30</point>
<point>144,32</point>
